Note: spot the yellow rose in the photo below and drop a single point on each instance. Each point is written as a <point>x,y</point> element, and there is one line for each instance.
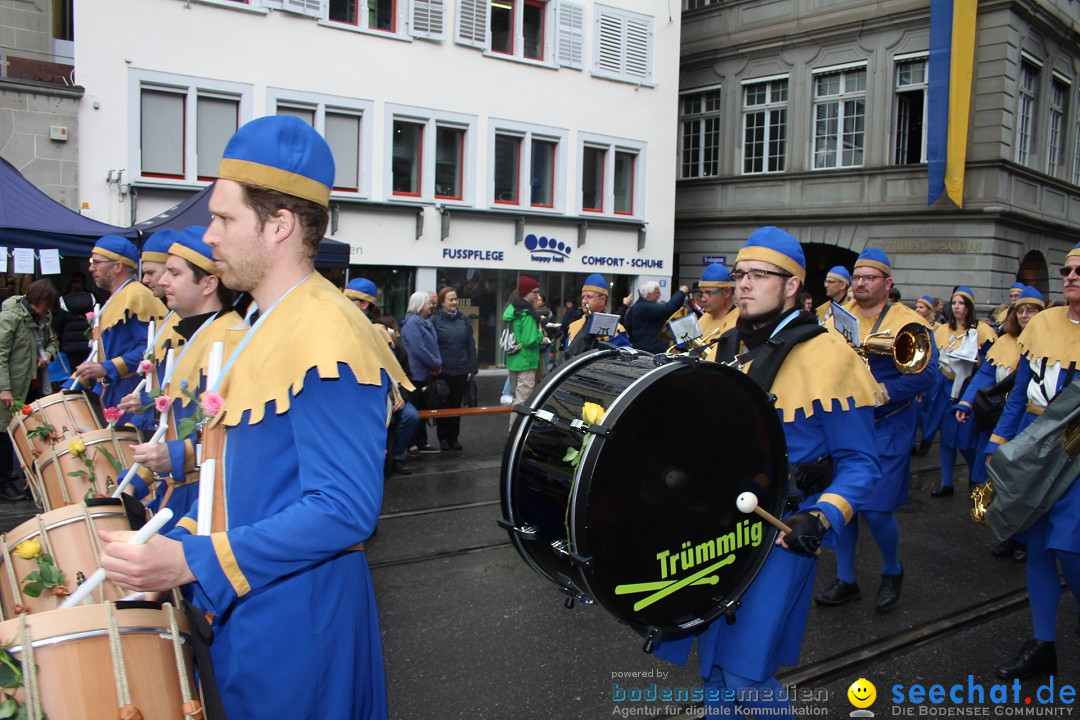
<point>76,447</point>
<point>28,549</point>
<point>592,413</point>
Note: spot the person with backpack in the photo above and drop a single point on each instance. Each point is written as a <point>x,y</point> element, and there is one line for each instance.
<point>524,322</point>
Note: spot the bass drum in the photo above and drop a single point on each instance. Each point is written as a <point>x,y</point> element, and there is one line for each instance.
<point>619,486</point>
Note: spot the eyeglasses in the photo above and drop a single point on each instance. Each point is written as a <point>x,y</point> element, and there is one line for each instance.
<point>755,275</point>
<point>1067,270</point>
<point>589,296</point>
<point>94,262</point>
<point>867,279</point>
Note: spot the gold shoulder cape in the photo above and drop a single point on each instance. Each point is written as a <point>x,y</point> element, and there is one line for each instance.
<point>1051,336</point>
<point>708,324</point>
<point>1004,352</point>
<point>133,300</point>
<point>824,368</point>
<point>193,364</point>
<point>315,326</point>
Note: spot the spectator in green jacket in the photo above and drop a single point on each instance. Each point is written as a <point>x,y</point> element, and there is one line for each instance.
<point>524,362</point>
<point>27,344</point>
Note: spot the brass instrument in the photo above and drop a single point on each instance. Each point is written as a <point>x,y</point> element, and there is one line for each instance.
<point>981,497</point>
<point>910,349</point>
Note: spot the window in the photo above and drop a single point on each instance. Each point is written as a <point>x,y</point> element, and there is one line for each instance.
<point>514,20</point>
<point>623,45</point>
<point>765,126</point>
<point>341,121</point>
<point>183,125</point>
<point>1025,111</point>
<point>1055,134</point>
<point>839,117</point>
<point>699,136</point>
<point>428,155</point>
<point>377,15</point>
<point>610,172</point>
<point>910,129</point>
<point>1076,160</point>
<point>507,177</point>
<point>542,177</point>
<point>524,159</point>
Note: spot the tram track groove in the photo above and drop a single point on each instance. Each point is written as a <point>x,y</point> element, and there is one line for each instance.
<point>426,557</point>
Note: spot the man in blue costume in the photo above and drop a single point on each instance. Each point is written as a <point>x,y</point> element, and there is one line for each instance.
<point>594,297</point>
<point>895,422</point>
<point>1049,360</point>
<point>837,282</point>
<point>283,572</point>
<point>119,334</point>
<point>825,398</point>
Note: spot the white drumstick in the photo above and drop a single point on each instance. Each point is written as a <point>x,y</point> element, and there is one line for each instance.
<point>144,533</point>
<point>135,468</point>
<point>747,503</point>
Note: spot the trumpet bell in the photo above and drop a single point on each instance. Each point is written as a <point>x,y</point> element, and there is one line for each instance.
<point>981,497</point>
<point>910,349</point>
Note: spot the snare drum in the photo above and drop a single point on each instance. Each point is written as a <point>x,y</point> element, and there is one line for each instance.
<point>69,535</point>
<point>57,487</point>
<point>98,662</point>
<point>646,524</point>
<point>68,412</point>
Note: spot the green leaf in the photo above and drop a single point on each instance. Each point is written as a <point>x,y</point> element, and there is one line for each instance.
<point>46,558</point>
<point>155,393</point>
<point>33,589</point>
<point>9,708</point>
<point>50,575</point>
<point>31,576</point>
<point>77,473</point>
<point>115,463</point>
<point>10,671</point>
<point>571,454</point>
<point>185,427</point>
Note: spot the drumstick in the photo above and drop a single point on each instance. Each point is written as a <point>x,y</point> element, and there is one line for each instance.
<point>747,503</point>
<point>144,533</point>
<point>158,435</point>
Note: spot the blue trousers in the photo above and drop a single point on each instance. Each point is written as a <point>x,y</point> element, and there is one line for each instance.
<point>886,532</point>
<point>730,695</point>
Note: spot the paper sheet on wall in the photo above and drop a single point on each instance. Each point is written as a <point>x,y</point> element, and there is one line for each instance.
<point>50,262</point>
<point>24,260</point>
<point>3,259</point>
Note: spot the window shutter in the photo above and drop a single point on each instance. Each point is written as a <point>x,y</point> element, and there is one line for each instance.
<point>624,45</point>
<point>314,8</point>
<point>472,23</point>
<point>570,47</point>
<point>609,43</point>
<point>427,19</point>
<point>638,45</point>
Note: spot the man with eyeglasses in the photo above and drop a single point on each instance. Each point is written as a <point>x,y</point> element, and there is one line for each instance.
<point>825,398</point>
<point>837,282</point>
<point>1002,310</point>
<point>594,297</point>
<point>119,334</point>
<point>1049,361</point>
<point>895,423</point>
<point>718,301</point>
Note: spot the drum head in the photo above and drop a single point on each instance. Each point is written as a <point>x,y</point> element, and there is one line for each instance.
<point>654,515</point>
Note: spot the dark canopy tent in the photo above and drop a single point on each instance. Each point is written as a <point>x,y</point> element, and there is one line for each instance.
<point>196,211</point>
<point>31,219</point>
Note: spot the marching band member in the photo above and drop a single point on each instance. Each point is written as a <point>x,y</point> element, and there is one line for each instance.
<point>594,297</point>
<point>120,331</point>
<point>155,252</point>
<point>964,342</point>
<point>1049,359</point>
<point>837,282</point>
<point>300,481</point>
<point>718,299</point>
<point>1002,311</point>
<point>825,399</point>
<point>894,433</point>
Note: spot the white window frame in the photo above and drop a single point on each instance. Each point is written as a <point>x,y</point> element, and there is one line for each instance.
<point>191,87</point>
<point>402,20</point>
<point>430,120</point>
<point>320,104</point>
<point>1056,132</point>
<point>623,45</point>
<point>698,119</point>
<point>611,145</point>
<point>548,45</point>
<point>527,132</point>
<point>899,90</point>
<point>841,99</point>
<point>1026,110</point>
<point>769,108</point>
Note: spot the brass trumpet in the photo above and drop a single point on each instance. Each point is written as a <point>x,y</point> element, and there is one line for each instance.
<point>910,349</point>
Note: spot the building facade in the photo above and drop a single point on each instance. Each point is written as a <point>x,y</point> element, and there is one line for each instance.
<point>474,140</point>
<point>811,115</point>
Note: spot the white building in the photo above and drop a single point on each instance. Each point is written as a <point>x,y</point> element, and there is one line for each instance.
<point>474,139</point>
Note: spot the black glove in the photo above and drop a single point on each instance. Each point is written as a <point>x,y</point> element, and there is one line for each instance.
<point>806,533</point>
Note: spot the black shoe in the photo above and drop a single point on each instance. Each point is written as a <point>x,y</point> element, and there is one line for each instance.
<point>838,593</point>
<point>942,491</point>
<point>889,592</point>
<point>428,450</point>
<point>1020,553</point>
<point>13,491</point>
<point>455,445</point>
<point>444,445</point>
<point>398,467</point>
<point>1004,549</point>
<point>1036,657</point>
<point>922,447</point>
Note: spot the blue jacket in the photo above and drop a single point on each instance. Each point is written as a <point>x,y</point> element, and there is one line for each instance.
<point>456,345</point>
<point>646,319</point>
<point>422,345</point>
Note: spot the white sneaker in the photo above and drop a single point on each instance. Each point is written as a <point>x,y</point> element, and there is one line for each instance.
<point>506,400</point>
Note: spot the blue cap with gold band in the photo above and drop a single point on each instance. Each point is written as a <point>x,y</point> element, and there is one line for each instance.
<point>362,289</point>
<point>776,246</point>
<point>156,249</point>
<point>1075,252</point>
<point>966,292</point>
<point>839,272</point>
<point>875,258</point>
<point>190,246</point>
<point>716,275</point>
<point>1017,286</point>
<point>927,301</point>
<point>1030,296</point>
<point>117,248</point>
<point>596,283</point>
<point>281,153</point>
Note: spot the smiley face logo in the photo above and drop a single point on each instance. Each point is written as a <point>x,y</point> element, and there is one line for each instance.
<point>862,693</point>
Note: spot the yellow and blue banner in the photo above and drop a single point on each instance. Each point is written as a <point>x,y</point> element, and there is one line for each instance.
<point>952,60</point>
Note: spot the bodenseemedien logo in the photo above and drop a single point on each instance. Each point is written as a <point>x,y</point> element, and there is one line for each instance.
<point>974,699</point>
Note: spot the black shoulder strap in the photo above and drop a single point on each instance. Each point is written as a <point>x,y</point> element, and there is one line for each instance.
<point>770,356</point>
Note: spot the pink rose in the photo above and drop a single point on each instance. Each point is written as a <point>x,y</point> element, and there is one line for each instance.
<point>211,403</point>
<point>162,403</point>
<point>90,316</point>
<point>146,367</point>
<point>112,415</point>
